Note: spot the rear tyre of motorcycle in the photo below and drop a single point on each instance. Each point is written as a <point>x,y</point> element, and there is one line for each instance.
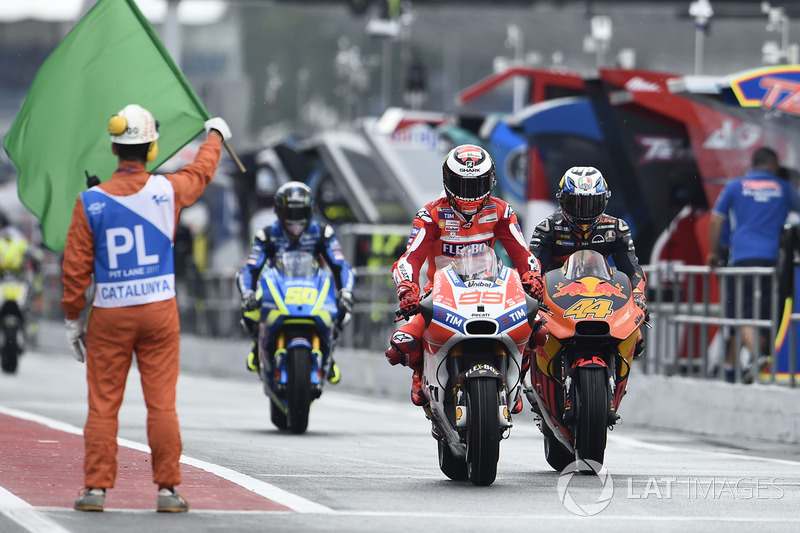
<point>451,466</point>
<point>592,421</point>
<point>483,431</point>
<point>298,389</point>
<point>278,416</point>
<point>554,452</point>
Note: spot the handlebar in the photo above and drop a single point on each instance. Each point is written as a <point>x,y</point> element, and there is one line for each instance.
<point>400,314</point>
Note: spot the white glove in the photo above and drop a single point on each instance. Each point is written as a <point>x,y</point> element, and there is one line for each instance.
<point>76,335</point>
<point>219,124</point>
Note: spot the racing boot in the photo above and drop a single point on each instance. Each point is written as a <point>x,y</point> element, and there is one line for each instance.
<point>252,358</point>
<point>538,338</point>
<point>334,375</point>
<point>526,360</point>
<point>417,396</point>
<point>517,405</point>
<point>251,328</point>
<point>404,350</point>
<point>638,350</point>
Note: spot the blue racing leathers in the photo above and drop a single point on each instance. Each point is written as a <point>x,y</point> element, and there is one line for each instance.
<point>271,241</point>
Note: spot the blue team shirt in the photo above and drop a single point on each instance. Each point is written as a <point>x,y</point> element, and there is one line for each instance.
<point>756,206</point>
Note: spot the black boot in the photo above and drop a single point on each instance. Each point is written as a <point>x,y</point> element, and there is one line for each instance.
<point>639,349</point>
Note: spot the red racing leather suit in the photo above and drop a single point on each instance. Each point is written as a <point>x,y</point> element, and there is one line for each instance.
<point>438,232</point>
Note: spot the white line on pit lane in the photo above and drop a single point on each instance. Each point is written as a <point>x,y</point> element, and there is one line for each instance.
<point>279,496</point>
<point>26,515</point>
<point>636,443</point>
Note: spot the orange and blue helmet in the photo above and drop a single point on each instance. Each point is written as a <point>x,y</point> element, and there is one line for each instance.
<point>583,195</point>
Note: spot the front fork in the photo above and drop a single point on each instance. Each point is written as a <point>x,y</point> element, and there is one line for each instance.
<point>277,364</point>
<point>462,410</point>
<point>570,390</point>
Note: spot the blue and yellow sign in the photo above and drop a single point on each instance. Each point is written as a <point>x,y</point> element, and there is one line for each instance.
<point>770,87</point>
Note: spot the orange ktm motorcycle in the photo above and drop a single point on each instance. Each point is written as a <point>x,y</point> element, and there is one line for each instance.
<point>579,375</point>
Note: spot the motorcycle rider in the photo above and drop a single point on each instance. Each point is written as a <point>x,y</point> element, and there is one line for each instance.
<point>464,215</point>
<point>295,229</point>
<point>22,260</point>
<point>581,223</point>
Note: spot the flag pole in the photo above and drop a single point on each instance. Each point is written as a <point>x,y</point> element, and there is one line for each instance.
<point>236,160</point>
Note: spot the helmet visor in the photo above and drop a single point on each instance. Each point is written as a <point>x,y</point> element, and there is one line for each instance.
<point>584,206</point>
<point>294,218</point>
<point>469,188</point>
<point>297,213</point>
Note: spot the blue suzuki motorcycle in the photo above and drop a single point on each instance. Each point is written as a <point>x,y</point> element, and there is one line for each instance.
<point>295,336</point>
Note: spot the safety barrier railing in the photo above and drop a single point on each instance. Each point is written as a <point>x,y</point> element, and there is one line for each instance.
<point>685,337</point>
<point>694,335</point>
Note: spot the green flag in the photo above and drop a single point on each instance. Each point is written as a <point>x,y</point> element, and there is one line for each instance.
<point>110,59</point>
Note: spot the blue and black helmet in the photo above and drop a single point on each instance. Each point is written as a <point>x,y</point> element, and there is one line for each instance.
<point>583,195</point>
<point>294,207</point>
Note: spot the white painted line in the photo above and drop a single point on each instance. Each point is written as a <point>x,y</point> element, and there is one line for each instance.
<point>516,515</point>
<point>582,519</point>
<point>9,501</point>
<point>292,501</point>
<point>278,495</point>
<point>636,443</point>
<point>34,522</point>
<point>26,515</point>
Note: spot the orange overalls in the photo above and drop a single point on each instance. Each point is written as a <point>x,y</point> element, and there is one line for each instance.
<point>152,330</point>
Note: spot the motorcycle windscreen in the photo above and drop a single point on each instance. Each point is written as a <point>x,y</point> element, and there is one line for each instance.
<point>296,264</point>
<point>587,263</point>
<point>476,261</point>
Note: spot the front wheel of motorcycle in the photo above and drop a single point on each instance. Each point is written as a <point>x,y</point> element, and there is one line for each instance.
<point>592,423</point>
<point>298,389</point>
<point>277,416</point>
<point>483,431</point>
<point>451,466</point>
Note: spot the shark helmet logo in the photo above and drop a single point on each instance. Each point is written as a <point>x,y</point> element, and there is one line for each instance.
<point>470,155</point>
